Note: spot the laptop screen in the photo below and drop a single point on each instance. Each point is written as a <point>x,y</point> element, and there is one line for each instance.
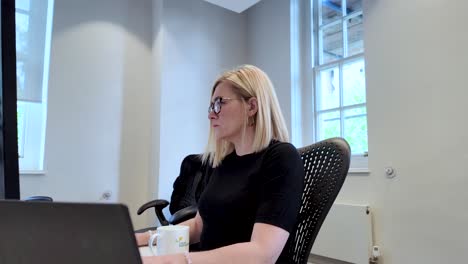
<point>72,233</point>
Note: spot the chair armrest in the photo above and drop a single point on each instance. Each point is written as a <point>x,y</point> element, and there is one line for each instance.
<point>158,205</point>
<point>184,215</point>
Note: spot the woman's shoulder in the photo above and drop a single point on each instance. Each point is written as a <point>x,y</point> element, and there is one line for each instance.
<point>282,158</point>
<point>281,147</point>
<point>282,151</point>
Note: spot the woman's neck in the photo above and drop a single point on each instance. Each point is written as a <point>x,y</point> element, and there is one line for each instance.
<point>244,145</point>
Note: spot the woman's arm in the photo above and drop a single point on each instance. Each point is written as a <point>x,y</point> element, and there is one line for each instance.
<point>142,238</point>
<point>266,244</point>
<point>195,226</point>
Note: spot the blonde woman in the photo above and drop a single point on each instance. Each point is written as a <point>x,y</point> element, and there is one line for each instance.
<point>249,207</point>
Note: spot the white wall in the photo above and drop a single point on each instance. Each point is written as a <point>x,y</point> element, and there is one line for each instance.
<point>140,110</point>
<point>200,41</point>
<point>129,89</point>
<point>416,61</point>
<point>268,47</point>
<point>99,102</point>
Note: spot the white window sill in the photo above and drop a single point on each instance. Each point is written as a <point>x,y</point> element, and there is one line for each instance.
<point>359,171</point>
<point>32,172</point>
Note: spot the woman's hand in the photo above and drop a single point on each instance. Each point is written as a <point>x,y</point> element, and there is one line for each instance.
<point>142,238</point>
<point>167,259</point>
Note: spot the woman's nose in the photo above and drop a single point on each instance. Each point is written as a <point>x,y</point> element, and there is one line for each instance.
<point>212,115</point>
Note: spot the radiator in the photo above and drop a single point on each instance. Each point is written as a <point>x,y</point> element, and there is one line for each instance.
<point>346,234</point>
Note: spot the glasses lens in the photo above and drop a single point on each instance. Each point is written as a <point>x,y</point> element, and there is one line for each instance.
<point>217,106</point>
<point>210,108</point>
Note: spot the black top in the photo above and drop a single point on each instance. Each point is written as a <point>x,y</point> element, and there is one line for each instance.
<point>263,187</point>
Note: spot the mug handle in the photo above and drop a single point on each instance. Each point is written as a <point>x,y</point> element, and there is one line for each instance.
<point>154,249</point>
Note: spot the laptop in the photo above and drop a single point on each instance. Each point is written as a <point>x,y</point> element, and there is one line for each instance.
<point>72,233</point>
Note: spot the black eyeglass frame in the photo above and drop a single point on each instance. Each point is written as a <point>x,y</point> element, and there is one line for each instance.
<point>215,106</point>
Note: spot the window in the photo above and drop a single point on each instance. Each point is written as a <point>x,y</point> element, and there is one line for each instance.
<point>339,75</point>
<point>33,31</point>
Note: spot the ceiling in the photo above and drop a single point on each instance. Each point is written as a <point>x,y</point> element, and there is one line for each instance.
<point>234,5</point>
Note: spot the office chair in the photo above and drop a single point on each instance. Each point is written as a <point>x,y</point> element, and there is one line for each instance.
<point>194,175</point>
<point>326,165</point>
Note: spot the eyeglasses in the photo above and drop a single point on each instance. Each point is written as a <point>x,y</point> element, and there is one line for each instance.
<point>215,106</point>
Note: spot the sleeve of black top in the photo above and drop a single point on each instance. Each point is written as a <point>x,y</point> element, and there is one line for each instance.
<point>281,187</point>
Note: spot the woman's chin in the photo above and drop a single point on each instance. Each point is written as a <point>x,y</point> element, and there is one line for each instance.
<point>220,136</point>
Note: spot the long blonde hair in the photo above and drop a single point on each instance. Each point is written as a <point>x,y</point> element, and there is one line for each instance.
<point>249,81</point>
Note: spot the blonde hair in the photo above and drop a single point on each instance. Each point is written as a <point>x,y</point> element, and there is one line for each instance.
<point>249,81</point>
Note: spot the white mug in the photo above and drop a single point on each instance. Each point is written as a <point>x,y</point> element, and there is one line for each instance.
<point>170,240</point>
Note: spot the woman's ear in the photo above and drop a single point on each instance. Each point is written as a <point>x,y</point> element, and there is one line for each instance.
<point>253,106</point>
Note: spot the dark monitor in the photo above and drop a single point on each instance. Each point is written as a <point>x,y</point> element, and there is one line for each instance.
<point>72,233</point>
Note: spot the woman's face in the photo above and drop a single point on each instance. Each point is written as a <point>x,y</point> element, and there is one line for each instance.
<point>228,123</point>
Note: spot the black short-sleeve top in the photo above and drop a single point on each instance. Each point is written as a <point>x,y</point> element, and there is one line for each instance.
<point>263,187</point>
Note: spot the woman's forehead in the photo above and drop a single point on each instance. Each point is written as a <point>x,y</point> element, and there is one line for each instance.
<point>223,89</point>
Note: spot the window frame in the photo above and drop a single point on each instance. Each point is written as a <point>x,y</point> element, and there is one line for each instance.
<point>359,162</point>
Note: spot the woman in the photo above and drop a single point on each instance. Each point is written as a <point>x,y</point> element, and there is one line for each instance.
<point>250,205</point>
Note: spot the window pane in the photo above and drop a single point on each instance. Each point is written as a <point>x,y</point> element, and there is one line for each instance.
<point>355,129</point>
<point>22,26</point>
<point>331,11</point>
<point>332,43</point>
<point>355,35</point>
<point>21,126</point>
<point>353,6</point>
<point>22,4</point>
<point>328,125</point>
<point>20,77</point>
<point>354,83</point>
<point>32,21</point>
<point>31,133</point>
<point>328,89</point>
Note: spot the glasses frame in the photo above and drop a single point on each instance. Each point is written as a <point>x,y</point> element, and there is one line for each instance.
<point>215,106</point>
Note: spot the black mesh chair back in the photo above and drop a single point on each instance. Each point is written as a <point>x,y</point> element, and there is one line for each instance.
<point>326,165</point>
